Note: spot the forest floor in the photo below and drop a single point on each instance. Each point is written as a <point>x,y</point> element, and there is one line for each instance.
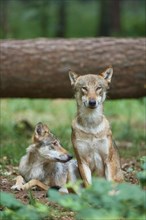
<point>129,166</point>
<point>7,180</point>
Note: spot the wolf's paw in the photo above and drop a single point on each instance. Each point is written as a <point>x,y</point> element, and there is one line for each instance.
<point>63,190</point>
<point>17,187</point>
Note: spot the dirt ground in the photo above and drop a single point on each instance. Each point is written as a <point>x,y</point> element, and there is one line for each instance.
<point>7,179</point>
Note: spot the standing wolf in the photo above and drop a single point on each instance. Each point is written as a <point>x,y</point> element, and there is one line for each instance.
<point>91,133</point>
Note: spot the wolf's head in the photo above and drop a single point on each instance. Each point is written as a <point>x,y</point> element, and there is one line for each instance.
<point>48,145</point>
<point>90,90</point>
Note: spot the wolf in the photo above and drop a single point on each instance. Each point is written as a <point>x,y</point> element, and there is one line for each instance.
<point>91,132</point>
<point>46,163</point>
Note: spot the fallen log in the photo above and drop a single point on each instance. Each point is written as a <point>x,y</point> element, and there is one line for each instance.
<point>39,68</point>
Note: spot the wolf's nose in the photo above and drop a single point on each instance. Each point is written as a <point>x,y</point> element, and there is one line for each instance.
<point>92,102</point>
<point>70,157</point>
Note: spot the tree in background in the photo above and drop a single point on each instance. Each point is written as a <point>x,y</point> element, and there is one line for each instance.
<point>44,16</point>
<point>109,18</point>
<point>4,18</point>
<point>41,8</point>
<point>115,15</point>
<point>61,26</point>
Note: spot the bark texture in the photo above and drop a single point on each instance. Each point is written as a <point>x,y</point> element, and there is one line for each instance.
<point>39,68</point>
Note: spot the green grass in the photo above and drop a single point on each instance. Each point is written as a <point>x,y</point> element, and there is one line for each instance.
<point>126,118</point>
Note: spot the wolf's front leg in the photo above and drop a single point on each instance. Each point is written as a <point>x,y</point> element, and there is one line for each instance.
<point>84,170</point>
<point>19,183</point>
<point>113,172</point>
<point>35,182</point>
<point>108,172</point>
<point>85,173</point>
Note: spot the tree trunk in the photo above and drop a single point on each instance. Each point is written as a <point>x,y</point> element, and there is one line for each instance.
<point>115,15</point>
<point>109,18</point>
<point>43,11</point>
<point>4,18</point>
<point>105,18</point>
<point>39,68</point>
<point>61,26</point>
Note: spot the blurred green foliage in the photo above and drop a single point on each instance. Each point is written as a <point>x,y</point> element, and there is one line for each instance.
<point>142,175</point>
<point>22,19</point>
<point>13,209</point>
<point>105,200</point>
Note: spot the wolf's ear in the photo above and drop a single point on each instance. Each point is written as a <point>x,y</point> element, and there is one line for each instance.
<point>38,128</point>
<point>40,131</point>
<point>73,77</point>
<point>107,74</point>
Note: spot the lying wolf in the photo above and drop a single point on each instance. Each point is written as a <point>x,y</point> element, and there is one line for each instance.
<point>46,163</point>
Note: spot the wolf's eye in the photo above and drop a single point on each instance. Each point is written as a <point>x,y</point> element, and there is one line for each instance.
<point>55,143</point>
<point>84,89</point>
<point>98,88</point>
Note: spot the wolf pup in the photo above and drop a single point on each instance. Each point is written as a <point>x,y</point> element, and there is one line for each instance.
<point>46,162</point>
<point>91,133</point>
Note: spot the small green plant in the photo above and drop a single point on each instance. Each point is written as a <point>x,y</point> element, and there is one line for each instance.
<point>142,175</point>
<point>105,200</point>
<point>15,210</point>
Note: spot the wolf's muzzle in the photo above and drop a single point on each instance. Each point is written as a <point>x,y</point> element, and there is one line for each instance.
<point>64,158</point>
<point>92,103</point>
<point>70,157</point>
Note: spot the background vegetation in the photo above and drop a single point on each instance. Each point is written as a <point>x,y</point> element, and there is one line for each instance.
<point>25,19</point>
<point>19,116</point>
<point>22,19</point>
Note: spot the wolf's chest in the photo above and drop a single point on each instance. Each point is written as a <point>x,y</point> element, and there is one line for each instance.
<point>93,151</point>
<point>92,146</point>
<point>35,172</point>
